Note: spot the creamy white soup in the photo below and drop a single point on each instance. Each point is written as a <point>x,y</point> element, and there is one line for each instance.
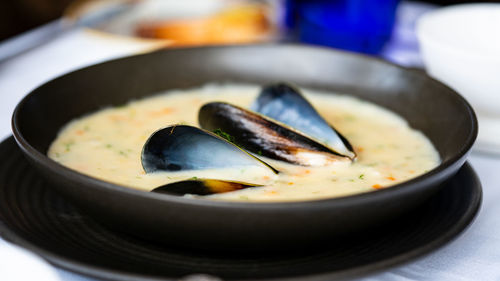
<point>107,145</point>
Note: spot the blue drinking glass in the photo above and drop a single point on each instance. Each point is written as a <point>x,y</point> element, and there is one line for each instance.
<point>355,25</point>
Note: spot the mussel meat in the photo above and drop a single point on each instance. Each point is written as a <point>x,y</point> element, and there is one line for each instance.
<point>202,187</point>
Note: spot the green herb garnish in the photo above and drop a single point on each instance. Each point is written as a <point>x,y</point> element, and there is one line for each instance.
<point>349,117</point>
<point>224,135</point>
<point>68,145</point>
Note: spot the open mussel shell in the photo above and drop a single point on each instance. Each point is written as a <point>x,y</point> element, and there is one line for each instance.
<point>181,147</point>
<point>202,187</point>
<point>263,136</point>
<point>286,104</point>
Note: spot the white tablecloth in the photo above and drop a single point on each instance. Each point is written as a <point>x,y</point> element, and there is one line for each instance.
<point>475,255</point>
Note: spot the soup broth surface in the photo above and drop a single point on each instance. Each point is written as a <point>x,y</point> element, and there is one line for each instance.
<point>107,145</point>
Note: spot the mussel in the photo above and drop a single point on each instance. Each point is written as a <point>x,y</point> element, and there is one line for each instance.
<point>285,103</point>
<point>183,148</point>
<point>285,127</point>
<point>202,187</point>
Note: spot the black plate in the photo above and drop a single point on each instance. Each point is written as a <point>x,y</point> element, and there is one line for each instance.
<point>35,217</point>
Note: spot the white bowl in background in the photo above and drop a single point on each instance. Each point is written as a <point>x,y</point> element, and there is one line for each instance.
<point>460,46</point>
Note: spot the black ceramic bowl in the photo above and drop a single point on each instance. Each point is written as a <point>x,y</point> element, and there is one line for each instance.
<point>429,106</point>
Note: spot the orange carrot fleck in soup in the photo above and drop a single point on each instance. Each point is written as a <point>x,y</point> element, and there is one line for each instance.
<point>162,112</point>
<point>303,173</point>
<point>118,118</point>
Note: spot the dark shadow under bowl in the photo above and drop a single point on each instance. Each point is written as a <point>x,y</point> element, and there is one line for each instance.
<point>429,106</point>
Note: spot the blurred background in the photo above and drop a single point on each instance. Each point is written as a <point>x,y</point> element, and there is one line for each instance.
<point>357,25</point>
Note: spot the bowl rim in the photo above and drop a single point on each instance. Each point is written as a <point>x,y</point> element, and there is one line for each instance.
<point>421,181</point>
<point>425,23</point>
